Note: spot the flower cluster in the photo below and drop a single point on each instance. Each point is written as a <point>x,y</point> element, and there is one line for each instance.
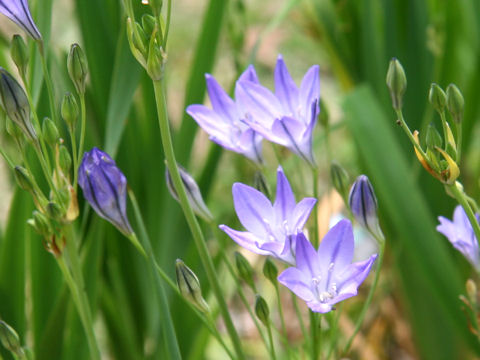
<point>286,117</point>
<point>321,278</point>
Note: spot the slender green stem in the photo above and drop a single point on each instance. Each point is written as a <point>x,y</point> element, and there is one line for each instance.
<point>299,316</point>
<point>170,336</point>
<point>82,308</point>
<point>367,303</point>
<point>457,191</point>
<point>83,114</point>
<point>315,238</point>
<point>334,332</point>
<point>48,81</point>
<point>314,335</point>
<point>445,129</point>
<point>190,216</point>
<point>167,25</point>
<point>7,158</point>
<point>270,340</point>
<point>73,138</point>
<point>46,170</point>
<point>459,141</point>
<point>282,320</point>
<point>404,126</point>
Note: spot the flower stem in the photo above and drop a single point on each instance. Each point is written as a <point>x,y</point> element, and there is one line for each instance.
<point>282,320</point>
<point>315,335</point>
<point>83,308</point>
<point>48,81</point>
<point>146,250</point>
<point>369,297</point>
<point>82,139</point>
<point>190,216</point>
<point>457,191</point>
<point>404,126</point>
<point>316,226</point>
<point>270,339</point>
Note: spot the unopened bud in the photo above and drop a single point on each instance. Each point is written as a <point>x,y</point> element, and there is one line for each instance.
<point>64,159</point>
<point>156,6</point>
<point>19,53</point>
<point>363,204</point>
<point>13,130</point>
<point>23,178</point>
<point>396,82</point>
<point>140,39</point>
<point>62,197</point>
<point>433,138</point>
<point>340,179</point>
<point>155,60</point>
<point>193,193</point>
<point>54,211</point>
<point>261,310</point>
<point>15,103</point>
<point>40,223</point>
<point>148,24</point>
<point>10,339</point>
<point>260,183</point>
<point>437,98</point>
<point>77,67</point>
<point>245,271</point>
<point>50,131</point>
<point>270,271</point>
<point>189,286</point>
<point>471,288</point>
<point>455,102</point>
<point>69,109</point>
<point>131,28</point>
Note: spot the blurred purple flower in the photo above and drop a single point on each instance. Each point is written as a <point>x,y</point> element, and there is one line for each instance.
<point>105,188</point>
<point>323,278</point>
<point>460,233</point>
<point>270,228</point>
<point>19,12</point>
<point>287,117</point>
<point>224,122</point>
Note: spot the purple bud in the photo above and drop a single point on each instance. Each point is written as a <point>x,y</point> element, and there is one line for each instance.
<point>105,188</point>
<point>363,204</point>
<point>19,12</point>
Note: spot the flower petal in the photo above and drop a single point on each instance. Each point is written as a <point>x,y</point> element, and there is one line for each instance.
<point>245,239</point>
<point>253,209</point>
<point>297,282</point>
<point>292,131</point>
<point>310,91</point>
<point>257,102</point>
<point>319,307</point>
<point>209,121</point>
<point>284,200</point>
<point>221,102</point>
<point>306,257</point>
<point>301,213</point>
<point>249,75</point>
<point>337,247</point>
<point>351,278</point>
<point>285,88</point>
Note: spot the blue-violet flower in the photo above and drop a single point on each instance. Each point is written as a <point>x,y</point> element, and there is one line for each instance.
<point>19,12</point>
<point>287,117</point>
<point>270,228</point>
<point>460,233</point>
<point>224,122</point>
<point>105,188</point>
<point>323,278</point>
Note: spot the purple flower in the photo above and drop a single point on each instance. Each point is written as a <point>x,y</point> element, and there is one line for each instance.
<point>323,278</point>
<point>105,188</point>
<point>460,233</point>
<point>224,122</point>
<point>287,117</point>
<point>19,12</point>
<point>270,228</point>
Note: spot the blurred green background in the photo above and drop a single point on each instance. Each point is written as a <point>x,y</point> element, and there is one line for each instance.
<point>416,311</point>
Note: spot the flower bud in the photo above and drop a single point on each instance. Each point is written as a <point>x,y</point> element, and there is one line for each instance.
<point>10,339</point>
<point>194,195</point>
<point>77,67</point>
<point>156,6</point>
<point>13,130</point>
<point>69,109</point>
<point>15,103</point>
<point>62,197</point>
<point>40,223</point>
<point>105,188</point>
<point>437,98</point>
<point>471,288</point>
<point>23,178</point>
<point>455,102</point>
<point>140,56</point>
<point>54,211</point>
<point>155,60</point>
<point>433,138</point>
<point>64,159</point>
<point>363,204</point>
<point>396,82</point>
<point>245,271</point>
<point>140,39</point>
<point>261,310</point>
<point>270,270</point>
<point>260,183</point>
<point>148,24</point>
<point>19,53</point>
<point>340,179</point>
<point>189,286</point>
<point>50,132</point>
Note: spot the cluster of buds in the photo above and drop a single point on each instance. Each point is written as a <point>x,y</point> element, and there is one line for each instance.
<point>440,154</point>
<point>147,39</point>
<point>58,205</point>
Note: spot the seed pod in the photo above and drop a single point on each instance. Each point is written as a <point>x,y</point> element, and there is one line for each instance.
<point>64,159</point>
<point>396,82</point>
<point>189,286</point>
<point>77,67</point>
<point>50,132</point>
<point>270,270</point>
<point>10,339</point>
<point>19,53</point>
<point>69,109</point>
<point>245,271</point>
<point>15,103</point>
<point>437,98</point>
<point>455,102</point>
<point>261,310</point>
